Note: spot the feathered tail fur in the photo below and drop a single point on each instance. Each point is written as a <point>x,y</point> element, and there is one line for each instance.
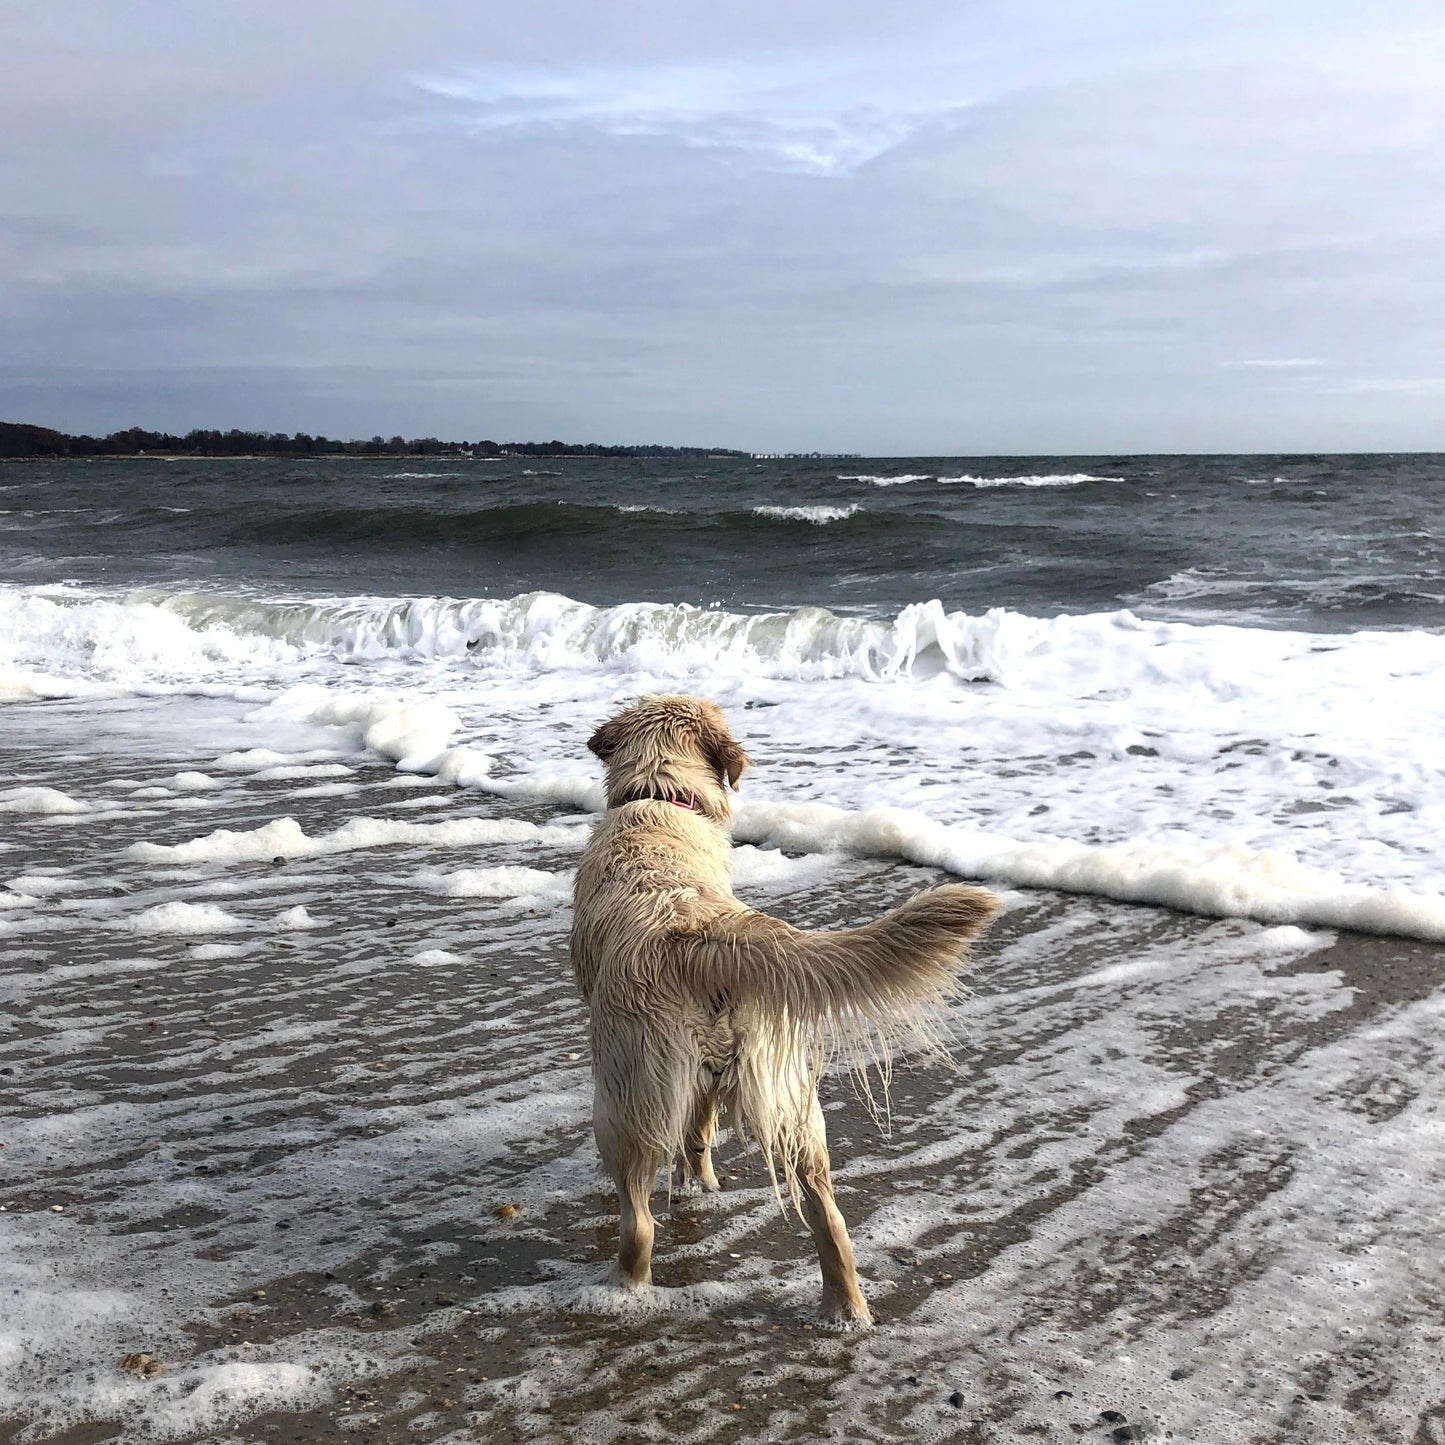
<point>899,965</point>
<point>860,992</point>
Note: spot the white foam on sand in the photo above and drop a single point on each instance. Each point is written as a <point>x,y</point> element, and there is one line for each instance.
<point>770,869</point>
<point>40,800</point>
<point>1311,1254</point>
<point>1223,882</point>
<point>505,881</point>
<point>82,1289</point>
<point>284,838</point>
<point>16,987</point>
<point>193,782</point>
<point>291,772</point>
<point>268,760</point>
<point>545,786</point>
<point>410,734</point>
<point>44,885</point>
<point>296,918</point>
<point>437,958</point>
<point>427,800</point>
<point>1287,939</point>
<point>178,917</point>
<point>414,734</point>
<point>103,1297</point>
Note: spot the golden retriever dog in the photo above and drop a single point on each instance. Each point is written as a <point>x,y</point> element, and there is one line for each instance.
<point>698,1003</point>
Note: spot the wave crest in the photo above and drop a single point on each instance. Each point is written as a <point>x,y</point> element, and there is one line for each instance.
<point>877,481</point>
<point>817,515</point>
<point>1047,479</point>
<point>155,635</point>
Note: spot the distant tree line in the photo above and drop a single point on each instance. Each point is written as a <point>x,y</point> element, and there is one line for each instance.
<point>20,440</point>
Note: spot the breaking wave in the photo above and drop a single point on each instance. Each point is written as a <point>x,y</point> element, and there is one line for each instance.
<point>886,481</point>
<point>1048,479</point>
<point>1151,761</point>
<point>180,635</point>
<point>816,515</point>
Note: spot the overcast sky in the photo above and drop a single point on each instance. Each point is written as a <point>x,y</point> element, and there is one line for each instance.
<point>931,226</point>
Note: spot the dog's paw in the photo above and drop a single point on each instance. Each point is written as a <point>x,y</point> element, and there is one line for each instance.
<point>686,1182</point>
<point>848,1314</point>
<point>629,1281</point>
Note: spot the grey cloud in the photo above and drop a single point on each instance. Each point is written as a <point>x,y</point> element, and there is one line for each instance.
<point>930,229</point>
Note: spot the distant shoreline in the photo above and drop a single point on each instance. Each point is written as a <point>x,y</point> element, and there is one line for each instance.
<point>22,441</point>
<point>351,457</point>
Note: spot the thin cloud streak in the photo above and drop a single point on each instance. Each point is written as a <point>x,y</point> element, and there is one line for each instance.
<point>824,114</point>
<point>1283,363</point>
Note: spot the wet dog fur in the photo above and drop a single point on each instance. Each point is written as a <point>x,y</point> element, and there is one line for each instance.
<point>698,1004</point>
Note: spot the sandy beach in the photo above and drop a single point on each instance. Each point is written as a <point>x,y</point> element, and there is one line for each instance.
<point>313,1132</point>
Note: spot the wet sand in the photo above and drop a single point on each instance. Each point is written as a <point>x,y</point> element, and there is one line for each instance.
<point>1184,1182</point>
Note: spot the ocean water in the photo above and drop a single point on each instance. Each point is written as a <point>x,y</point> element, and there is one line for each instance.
<point>295,782</point>
<point>1210,683</point>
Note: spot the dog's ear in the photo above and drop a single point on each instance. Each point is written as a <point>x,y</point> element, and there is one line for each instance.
<point>606,740</point>
<point>722,749</point>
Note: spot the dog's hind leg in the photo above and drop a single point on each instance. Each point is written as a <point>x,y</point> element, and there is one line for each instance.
<point>842,1294</point>
<point>636,1229</point>
<point>697,1147</point>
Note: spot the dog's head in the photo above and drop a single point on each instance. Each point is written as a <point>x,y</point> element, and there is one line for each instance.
<point>665,747</point>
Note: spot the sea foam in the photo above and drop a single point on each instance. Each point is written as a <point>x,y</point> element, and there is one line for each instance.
<point>1047,479</point>
<point>40,800</point>
<point>1194,766</point>
<point>817,515</point>
<point>1221,882</point>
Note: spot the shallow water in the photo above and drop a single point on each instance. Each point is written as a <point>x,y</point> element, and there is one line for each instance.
<point>1185,1171</point>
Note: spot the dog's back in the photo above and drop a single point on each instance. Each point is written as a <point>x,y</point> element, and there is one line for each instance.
<point>651,872</point>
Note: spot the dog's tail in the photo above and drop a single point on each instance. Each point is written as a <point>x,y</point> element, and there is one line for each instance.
<point>879,982</point>
<point>861,993</point>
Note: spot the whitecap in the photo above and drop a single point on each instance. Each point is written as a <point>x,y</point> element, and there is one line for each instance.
<point>819,516</point>
<point>886,481</point>
<point>1047,479</point>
